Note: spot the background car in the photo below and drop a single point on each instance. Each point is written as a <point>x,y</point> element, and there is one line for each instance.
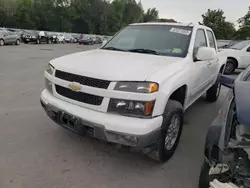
<point>238,56</point>
<point>229,135</point>
<point>34,37</point>
<point>9,38</point>
<point>58,38</point>
<point>69,39</point>
<point>98,40</point>
<point>86,40</point>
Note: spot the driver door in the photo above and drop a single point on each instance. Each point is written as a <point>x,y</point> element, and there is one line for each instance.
<point>7,37</point>
<point>200,69</point>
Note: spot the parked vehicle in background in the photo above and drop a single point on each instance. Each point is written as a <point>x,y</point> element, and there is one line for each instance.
<point>58,38</point>
<point>69,39</point>
<point>222,43</point>
<point>231,43</point>
<point>225,158</point>
<point>134,90</point>
<point>37,37</point>
<point>7,37</point>
<point>238,56</point>
<point>98,40</point>
<point>86,40</point>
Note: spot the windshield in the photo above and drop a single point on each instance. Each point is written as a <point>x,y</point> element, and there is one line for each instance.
<point>240,45</point>
<point>166,40</point>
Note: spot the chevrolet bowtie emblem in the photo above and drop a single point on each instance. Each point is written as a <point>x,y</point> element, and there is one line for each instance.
<point>75,86</point>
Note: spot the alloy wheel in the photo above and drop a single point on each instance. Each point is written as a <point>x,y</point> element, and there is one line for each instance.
<point>172,132</point>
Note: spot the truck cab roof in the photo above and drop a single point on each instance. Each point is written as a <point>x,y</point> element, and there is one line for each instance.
<point>174,24</point>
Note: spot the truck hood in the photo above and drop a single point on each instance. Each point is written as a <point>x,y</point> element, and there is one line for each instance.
<point>114,65</point>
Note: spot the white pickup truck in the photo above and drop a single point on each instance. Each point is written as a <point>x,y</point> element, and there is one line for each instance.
<point>238,56</point>
<point>134,90</point>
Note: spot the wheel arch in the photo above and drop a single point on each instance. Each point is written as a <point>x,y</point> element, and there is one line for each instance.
<point>211,150</point>
<point>179,94</point>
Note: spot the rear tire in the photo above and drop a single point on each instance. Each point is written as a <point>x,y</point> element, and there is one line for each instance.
<point>37,41</point>
<point>170,132</point>
<point>213,92</point>
<point>230,66</point>
<point>1,42</point>
<point>49,41</point>
<point>17,42</point>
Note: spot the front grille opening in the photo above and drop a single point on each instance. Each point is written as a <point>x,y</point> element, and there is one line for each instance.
<point>92,82</point>
<point>79,96</point>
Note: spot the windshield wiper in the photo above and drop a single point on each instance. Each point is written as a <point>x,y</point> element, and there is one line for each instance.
<point>113,48</point>
<point>142,50</point>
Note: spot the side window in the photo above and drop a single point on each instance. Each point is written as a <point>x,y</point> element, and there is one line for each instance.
<point>211,39</point>
<point>200,41</point>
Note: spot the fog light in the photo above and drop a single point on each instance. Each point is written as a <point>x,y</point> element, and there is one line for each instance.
<point>132,139</point>
<point>128,140</point>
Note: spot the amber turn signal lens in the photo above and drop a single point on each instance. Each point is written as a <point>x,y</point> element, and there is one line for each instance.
<point>149,108</point>
<point>153,87</point>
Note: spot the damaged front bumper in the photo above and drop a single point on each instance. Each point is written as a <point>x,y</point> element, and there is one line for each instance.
<point>143,143</point>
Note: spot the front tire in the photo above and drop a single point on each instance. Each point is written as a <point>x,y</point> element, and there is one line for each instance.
<point>204,178</point>
<point>213,92</point>
<point>37,41</point>
<point>170,132</point>
<point>1,42</point>
<point>230,66</point>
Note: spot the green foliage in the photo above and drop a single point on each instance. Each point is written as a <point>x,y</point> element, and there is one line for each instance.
<point>81,16</point>
<point>244,30</point>
<point>216,20</point>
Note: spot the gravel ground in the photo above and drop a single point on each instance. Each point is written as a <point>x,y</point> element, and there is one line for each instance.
<point>37,153</point>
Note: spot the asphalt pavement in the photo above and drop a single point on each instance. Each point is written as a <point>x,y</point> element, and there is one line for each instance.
<point>37,153</point>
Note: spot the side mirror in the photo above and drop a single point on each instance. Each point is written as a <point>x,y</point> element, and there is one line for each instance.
<point>104,42</point>
<point>205,54</point>
<point>226,81</point>
<point>248,49</point>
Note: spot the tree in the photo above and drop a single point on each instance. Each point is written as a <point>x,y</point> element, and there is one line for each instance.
<point>216,20</point>
<point>7,12</point>
<point>80,16</point>
<point>151,15</point>
<point>244,30</point>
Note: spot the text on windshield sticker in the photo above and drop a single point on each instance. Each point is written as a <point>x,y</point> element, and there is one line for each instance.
<point>180,31</point>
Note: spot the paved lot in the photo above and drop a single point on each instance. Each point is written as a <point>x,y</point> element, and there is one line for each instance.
<point>36,153</point>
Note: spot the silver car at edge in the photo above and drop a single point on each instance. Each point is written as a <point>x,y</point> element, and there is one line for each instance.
<point>7,37</point>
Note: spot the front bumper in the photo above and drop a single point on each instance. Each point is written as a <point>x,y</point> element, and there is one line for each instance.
<point>140,134</point>
<point>29,39</point>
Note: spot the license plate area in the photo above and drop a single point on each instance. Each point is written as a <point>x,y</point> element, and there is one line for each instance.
<point>68,120</point>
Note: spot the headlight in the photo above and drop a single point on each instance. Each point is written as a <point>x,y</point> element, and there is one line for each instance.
<point>50,69</point>
<point>48,85</point>
<point>137,87</point>
<point>33,37</point>
<point>131,108</point>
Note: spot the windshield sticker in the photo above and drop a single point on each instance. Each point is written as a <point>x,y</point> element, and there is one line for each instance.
<point>180,31</point>
<point>177,50</point>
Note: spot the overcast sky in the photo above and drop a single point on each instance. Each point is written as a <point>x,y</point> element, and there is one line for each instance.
<point>191,10</point>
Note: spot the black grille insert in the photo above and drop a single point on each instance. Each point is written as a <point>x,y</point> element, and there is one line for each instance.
<point>79,96</point>
<point>92,82</point>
